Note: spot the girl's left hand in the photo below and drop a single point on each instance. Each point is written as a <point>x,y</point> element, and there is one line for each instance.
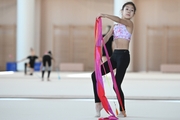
<point>100,15</point>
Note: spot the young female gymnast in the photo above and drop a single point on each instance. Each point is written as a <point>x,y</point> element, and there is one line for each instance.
<point>120,58</point>
<point>32,58</point>
<point>47,59</point>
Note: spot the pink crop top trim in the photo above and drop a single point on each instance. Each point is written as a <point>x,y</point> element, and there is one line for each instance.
<point>120,31</point>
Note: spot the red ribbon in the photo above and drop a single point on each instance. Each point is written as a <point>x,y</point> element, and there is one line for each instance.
<point>100,86</point>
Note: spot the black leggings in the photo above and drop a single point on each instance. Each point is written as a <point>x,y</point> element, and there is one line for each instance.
<point>120,60</point>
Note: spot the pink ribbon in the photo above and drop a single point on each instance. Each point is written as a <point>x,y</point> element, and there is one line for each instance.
<point>100,86</point>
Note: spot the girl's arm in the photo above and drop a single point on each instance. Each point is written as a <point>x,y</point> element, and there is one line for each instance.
<point>39,59</point>
<point>53,59</point>
<point>108,35</point>
<point>21,60</point>
<point>117,19</point>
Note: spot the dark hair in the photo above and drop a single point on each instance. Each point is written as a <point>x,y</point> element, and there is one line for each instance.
<point>109,27</point>
<point>129,3</point>
<point>50,52</point>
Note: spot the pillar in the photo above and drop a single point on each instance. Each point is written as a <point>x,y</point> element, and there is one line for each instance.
<point>25,30</point>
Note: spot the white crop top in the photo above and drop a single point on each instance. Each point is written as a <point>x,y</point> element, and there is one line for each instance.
<point>120,31</point>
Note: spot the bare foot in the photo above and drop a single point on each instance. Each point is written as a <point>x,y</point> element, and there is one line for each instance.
<point>122,113</point>
<point>98,109</point>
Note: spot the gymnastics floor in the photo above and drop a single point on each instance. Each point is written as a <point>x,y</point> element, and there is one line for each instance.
<point>148,96</point>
